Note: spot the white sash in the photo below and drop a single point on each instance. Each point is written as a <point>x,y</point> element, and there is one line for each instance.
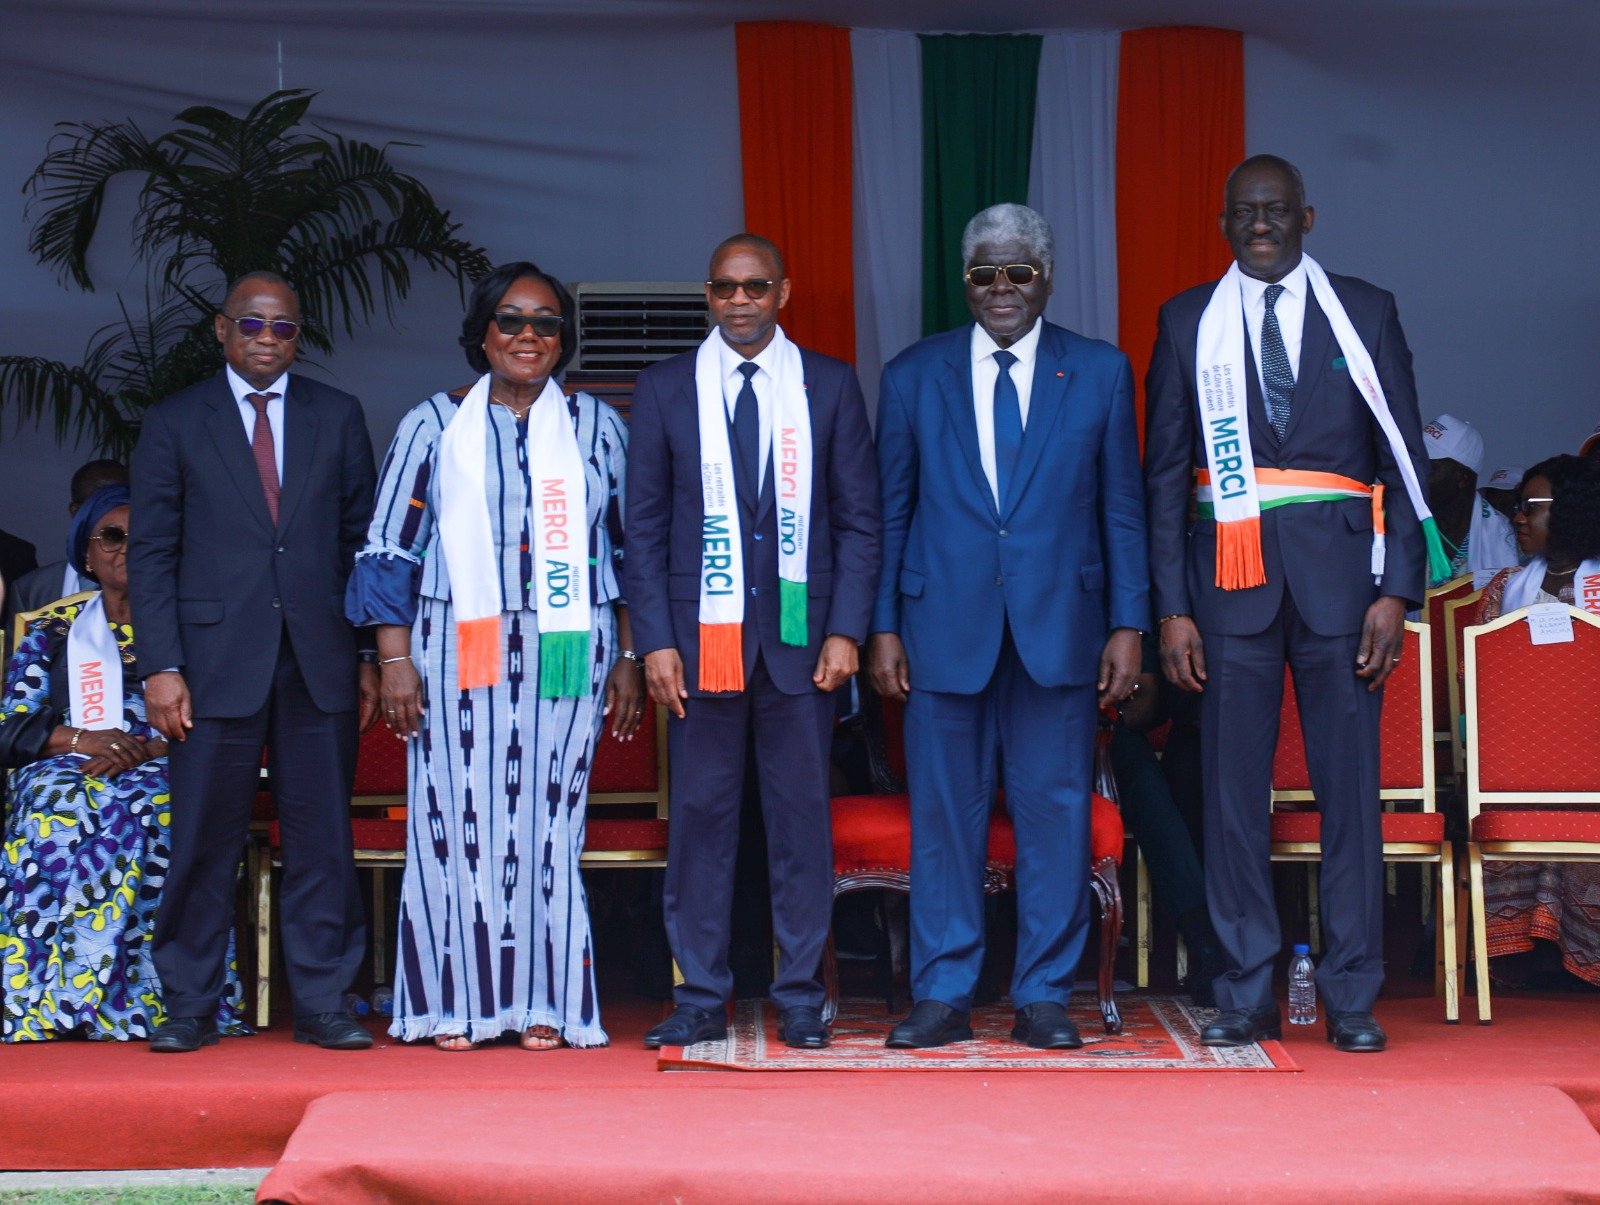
<point>559,520</point>
<point>94,668</point>
<point>721,543</point>
<point>1523,587</point>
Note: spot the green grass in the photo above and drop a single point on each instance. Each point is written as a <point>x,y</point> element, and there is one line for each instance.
<point>170,1194</point>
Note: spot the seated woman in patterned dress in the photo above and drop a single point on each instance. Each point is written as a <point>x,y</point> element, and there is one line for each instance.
<point>1544,917</point>
<point>85,849</point>
<point>493,573</point>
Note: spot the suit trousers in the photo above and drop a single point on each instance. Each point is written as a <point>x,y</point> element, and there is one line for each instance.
<point>1239,733</point>
<point>215,775</point>
<point>956,745</point>
<point>793,734</point>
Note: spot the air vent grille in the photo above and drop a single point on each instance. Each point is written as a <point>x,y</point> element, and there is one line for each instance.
<point>624,326</point>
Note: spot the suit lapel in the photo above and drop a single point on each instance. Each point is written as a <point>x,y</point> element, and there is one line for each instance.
<point>1315,335</point>
<point>956,386</point>
<point>299,447</point>
<point>1051,377</point>
<point>227,432</point>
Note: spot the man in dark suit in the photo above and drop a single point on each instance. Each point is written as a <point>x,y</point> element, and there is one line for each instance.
<point>1318,607</point>
<point>59,579</point>
<point>1013,594</point>
<point>769,680</point>
<point>17,559</point>
<point>253,491</point>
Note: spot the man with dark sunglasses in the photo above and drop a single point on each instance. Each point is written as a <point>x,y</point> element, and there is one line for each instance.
<point>253,492</point>
<point>1011,602</point>
<point>752,556</point>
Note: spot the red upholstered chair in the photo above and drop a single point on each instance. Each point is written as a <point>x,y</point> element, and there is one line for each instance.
<point>872,849</point>
<point>1435,613</point>
<point>1533,754</point>
<point>1405,781</point>
<point>627,820</point>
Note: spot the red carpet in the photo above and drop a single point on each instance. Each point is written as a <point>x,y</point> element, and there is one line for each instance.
<point>1159,1033</point>
<point>118,1106</point>
<point>1256,1138</point>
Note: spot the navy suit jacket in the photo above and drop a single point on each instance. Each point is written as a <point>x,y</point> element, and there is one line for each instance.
<point>214,586</point>
<point>1319,551</point>
<point>1063,562</point>
<point>665,515</point>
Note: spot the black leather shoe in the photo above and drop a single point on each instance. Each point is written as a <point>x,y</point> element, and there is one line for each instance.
<point>1356,1033</point>
<point>182,1035</point>
<point>802,1028</point>
<point>1242,1026</point>
<point>331,1031</point>
<point>1045,1026</point>
<point>930,1024</point>
<point>686,1026</point>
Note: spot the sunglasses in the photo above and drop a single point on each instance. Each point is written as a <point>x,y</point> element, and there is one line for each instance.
<point>1524,506</point>
<point>981,276</point>
<point>544,325</point>
<point>250,328</point>
<point>111,537</point>
<point>723,289</point>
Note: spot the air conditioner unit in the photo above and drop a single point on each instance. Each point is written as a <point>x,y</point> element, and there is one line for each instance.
<point>624,326</point>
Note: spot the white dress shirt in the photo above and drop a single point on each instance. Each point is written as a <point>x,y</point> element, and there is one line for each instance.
<point>762,382</point>
<point>1291,312</point>
<point>985,372</point>
<point>247,411</point>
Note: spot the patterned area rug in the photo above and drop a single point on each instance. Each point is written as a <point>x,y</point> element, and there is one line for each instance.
<point>1159,1033</point>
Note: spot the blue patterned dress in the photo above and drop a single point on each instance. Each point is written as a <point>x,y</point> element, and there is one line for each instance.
<point>81,868</point>
<point>494,924</point>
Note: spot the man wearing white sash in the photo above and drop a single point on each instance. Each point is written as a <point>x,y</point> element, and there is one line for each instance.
<point>1281,405</point>
<point>753,529</point>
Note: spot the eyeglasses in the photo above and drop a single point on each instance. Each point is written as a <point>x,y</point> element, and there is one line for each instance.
<point>1525,506</point>
<point>111,537</point>
<point>981,276</point>
<point>544,325</point>
<point>723,289</point>
<point>251,328</point>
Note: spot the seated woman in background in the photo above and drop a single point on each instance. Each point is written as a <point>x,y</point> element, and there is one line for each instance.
<point>86,848</point>
<point>1529,904</point>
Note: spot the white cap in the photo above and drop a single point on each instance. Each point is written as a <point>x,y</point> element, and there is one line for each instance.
<point>1503,479</point>
<point>1450,438</point>
<point>1588,444</point>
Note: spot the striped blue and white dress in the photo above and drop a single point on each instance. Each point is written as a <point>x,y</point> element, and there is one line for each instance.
<point>494,925</point>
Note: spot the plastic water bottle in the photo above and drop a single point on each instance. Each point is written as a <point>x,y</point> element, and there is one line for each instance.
<point>355,1005</point>
<point>383,1000</point>
<point>1302,988</point>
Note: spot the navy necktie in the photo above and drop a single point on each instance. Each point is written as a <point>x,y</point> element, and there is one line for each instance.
<point>1275,371</point>
<point>747,429</point>
<point>1007,424</point>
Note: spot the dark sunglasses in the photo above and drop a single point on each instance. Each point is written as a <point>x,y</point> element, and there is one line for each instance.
<point>250,328</point>
<point>1524,506</point>
<point>111,537</point>
<point>723,289</point>
<point>544,325</point>
<point>981,276</point>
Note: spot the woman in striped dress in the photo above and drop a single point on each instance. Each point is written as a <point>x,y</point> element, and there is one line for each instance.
<point>493,573</point>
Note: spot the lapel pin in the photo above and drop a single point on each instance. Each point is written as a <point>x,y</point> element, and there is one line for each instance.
<point>1061,374</point>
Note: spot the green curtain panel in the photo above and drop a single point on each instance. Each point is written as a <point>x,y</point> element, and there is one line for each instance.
<point>978,99</point>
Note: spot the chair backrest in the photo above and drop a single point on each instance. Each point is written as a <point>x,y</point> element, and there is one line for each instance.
<point>632,772</point>
<point>21,620</point>
<point>1405,751</point>
<point>1459,613</point>
<point>1434,610</point>
<point>1533,716</point>
<point>380,768</point>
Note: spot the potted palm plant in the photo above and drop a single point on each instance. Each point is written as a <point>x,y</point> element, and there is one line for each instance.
<point>218,196</point>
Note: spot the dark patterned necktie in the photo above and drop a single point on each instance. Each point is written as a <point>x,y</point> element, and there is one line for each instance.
<point>1007,424</point>
<point>747,429</point>
<point>1275,370</point>
<point>266,456</point>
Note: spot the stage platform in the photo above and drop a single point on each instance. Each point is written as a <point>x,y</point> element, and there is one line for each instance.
<point>1508,1110</point>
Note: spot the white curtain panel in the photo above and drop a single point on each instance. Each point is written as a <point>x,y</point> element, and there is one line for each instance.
<point>887,70</point>
<point>1073,178</point>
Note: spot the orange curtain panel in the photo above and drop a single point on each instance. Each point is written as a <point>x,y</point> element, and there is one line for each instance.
<point>1180,129</point>
<point>794,131</point>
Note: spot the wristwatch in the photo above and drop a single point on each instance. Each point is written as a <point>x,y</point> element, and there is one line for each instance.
<point>630,655</point>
